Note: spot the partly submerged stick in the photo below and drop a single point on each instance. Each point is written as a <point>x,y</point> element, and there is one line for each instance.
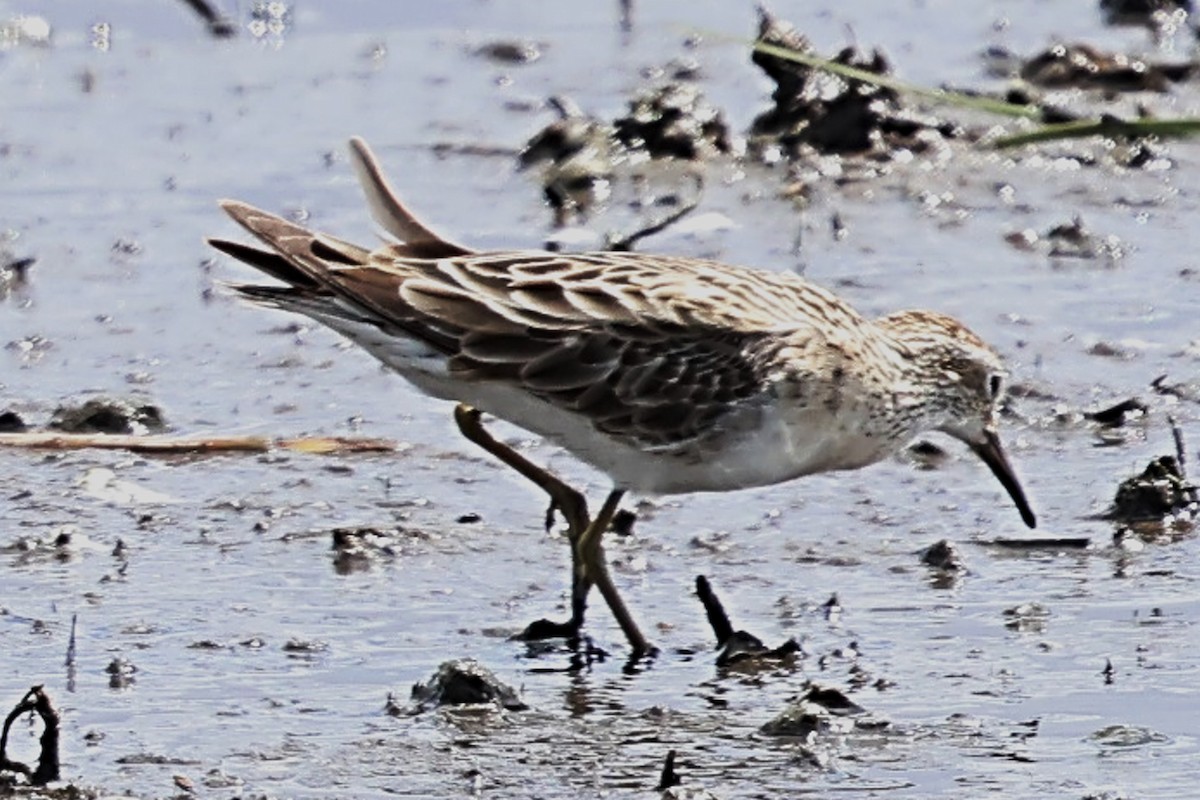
<point>320,445</point>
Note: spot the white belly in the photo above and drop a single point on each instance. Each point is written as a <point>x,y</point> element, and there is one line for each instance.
<point>756,448</point>
<point>765,450</point>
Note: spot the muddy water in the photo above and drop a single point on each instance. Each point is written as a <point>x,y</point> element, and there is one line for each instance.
<point>258,667</point>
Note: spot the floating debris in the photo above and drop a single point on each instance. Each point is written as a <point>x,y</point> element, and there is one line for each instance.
<point>358,549</point>
<point>108,415</point>
<point>1082,66</point>
<point>512,51</point>
<point>1183,391</point>
<point>1118,414</point>
<point>623,521</point>
<point>14,273</point>
<point>1027,618</point>
<point>821,710</point>
<point>674,121</point>
<point>927,455</point>
<point>1160,492</point>
<point>121,673</point>
<point>943,555</point>
<point>577,154</point>
<point>11,422</point>
<point>1069,240</point>
<point>463,682</point>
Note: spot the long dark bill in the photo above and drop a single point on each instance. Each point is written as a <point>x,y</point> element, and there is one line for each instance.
<point>993,455</point>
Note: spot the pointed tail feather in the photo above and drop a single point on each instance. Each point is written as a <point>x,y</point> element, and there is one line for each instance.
<point>392,215</point>
<point>272,264</point>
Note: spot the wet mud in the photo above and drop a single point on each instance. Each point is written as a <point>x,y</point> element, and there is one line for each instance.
<point>250,621</point>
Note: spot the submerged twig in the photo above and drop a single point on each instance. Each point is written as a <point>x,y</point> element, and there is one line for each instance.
<point>736,646</point>
<point>717,618</point>
<point>70,662</point>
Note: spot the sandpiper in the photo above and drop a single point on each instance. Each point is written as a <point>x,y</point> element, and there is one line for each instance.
<point>668,374</point>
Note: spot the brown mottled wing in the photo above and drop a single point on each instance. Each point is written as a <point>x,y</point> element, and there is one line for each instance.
<point>651,348</point>
<point>660,390</point>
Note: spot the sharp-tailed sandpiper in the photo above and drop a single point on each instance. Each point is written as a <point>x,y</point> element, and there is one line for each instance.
<point>668,374</point>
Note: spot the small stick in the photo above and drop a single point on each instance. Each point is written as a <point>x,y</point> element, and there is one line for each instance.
<point>218,26</point>
<point>669,776</point>
<point>71,643</point>
<point>717,618</point>
<point>625,243</point>
<point>321,445</point>
<point>1180,449</point>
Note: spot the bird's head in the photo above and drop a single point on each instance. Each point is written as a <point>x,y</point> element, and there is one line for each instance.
<point>965,381</point>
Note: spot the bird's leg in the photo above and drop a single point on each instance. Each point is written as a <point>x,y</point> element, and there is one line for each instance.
<point>589,566</point>
<point>590,557</point>
<point>570,502</point>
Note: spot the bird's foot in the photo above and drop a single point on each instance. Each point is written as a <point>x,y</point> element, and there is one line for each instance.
<point>542,629</point>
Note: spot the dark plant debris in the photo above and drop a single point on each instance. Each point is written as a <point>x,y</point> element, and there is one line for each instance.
<point>510,51</point>
<point>1082,66</point>
<point>464,682</point>
<point>821,710</point>
<point>35,701</point>
<point>1118,414</point>
<point>14,273</point>
<point>819,112</point>
<point>943,555</point>
<point>674,121</point>
<point>356,549</point>
<point>1159,492</point>
<point>1153,14</point>
<point>581,156</point>
<point>1051,544</point>
<point>1184,391</point>
<point>12,422</point>
<point>1069,240</point>
<point>108,415</point>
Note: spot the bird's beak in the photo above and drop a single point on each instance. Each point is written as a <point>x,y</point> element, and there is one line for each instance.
<point>992,454</point>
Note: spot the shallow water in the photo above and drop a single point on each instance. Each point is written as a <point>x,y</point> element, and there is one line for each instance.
<point>113,191</point>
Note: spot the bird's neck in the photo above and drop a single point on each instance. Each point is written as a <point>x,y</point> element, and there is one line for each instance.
<point>908,387</point>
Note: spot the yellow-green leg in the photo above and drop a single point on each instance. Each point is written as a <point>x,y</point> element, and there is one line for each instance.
<point>589,566</point>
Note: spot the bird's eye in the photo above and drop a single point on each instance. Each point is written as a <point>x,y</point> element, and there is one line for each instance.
<point>996,385</point>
